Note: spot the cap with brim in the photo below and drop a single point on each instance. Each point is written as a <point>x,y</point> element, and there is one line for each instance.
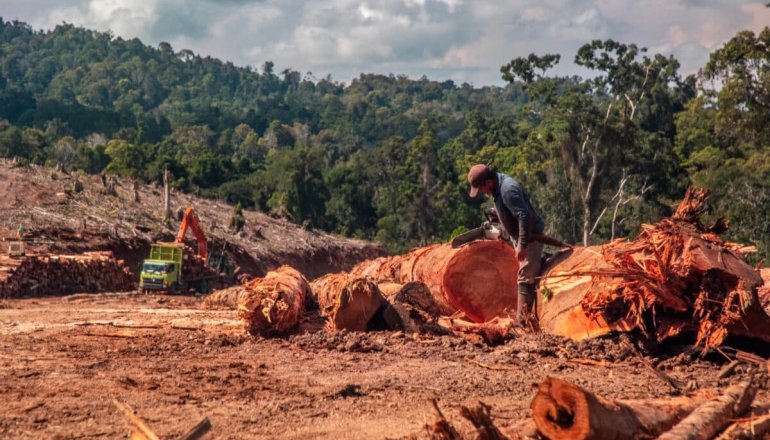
<point>474,176</point>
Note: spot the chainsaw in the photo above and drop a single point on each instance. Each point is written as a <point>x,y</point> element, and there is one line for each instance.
<point>493,230</point>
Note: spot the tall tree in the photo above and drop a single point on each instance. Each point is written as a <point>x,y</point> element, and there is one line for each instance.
<point>597,119</point>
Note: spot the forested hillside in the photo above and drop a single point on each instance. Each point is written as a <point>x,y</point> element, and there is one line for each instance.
<point>384,158</point>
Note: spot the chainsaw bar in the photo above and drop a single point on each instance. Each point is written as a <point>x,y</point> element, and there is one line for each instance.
<point>467,237</point>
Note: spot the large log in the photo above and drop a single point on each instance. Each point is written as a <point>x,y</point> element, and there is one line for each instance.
<point>226,298</point>
<point>711,417</point>
<point>274,304</point>
<point>349,301</point>
<point>562,410</point>
<point>678,275</point>
<point>478,279</point>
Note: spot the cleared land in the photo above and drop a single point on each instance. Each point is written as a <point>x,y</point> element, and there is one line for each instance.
<point>63,360</point>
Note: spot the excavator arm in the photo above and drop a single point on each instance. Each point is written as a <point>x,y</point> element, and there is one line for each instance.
<point>190,221</point>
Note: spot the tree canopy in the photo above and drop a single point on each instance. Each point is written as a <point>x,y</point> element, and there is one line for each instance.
<point>385,157</point>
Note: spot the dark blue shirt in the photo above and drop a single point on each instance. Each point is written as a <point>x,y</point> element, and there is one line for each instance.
<point>515,211</point>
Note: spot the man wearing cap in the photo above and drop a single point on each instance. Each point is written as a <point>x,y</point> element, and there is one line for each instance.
<point>519,219</point>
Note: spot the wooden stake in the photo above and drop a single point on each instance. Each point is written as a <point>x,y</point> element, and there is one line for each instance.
<point>198,430</point>
<point>137,421</point>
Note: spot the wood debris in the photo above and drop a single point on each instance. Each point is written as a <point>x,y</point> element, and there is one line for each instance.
<point>562,410</point>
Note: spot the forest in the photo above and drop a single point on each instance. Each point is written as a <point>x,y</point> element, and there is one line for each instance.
<point>385,157</point>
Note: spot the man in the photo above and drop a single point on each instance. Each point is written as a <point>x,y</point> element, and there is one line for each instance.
<point>519,219</point>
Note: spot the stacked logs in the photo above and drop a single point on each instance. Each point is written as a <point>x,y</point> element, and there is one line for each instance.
<point>53,275</point>
<point>562,410</point>
<point>193,265</point>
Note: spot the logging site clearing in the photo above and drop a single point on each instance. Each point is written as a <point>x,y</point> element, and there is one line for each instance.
<point>314,336</point>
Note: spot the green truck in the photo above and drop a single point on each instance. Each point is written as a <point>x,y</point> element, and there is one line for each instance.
<point>164,271</point>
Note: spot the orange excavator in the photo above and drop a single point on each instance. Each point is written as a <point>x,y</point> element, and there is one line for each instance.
<point>190,221</point>
<point>164,270</point>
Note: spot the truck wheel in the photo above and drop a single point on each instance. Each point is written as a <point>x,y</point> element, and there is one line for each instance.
<point>172,289</point>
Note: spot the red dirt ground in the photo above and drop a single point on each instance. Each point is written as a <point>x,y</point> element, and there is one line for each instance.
<point>63,360</point>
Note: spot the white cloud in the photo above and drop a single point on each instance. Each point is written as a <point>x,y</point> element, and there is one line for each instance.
<point>459,39</point>
<point>122,17</point>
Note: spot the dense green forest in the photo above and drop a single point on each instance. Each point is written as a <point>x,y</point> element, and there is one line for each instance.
<point>384,158</point>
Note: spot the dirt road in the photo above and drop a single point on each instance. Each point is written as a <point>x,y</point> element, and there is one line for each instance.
<point>63,361</point>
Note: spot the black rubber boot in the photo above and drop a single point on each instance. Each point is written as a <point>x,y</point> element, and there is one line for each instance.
<point>525,303</point>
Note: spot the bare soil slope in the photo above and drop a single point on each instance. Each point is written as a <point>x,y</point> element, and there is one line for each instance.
<point>59,217</point>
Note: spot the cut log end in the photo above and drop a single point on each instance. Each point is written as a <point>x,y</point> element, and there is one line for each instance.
<point>349,301</point>
<point>275,303</point>
<point>480,280</point>
<point>560,410</point>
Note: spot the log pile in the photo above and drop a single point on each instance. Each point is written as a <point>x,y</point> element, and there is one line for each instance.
<point>273,304</point>
<point>348,301</point>
<point>678,277</point>
<point>478,279</point>
<point>562,410</point>
<point>54,275</point>
<point>193,265</point>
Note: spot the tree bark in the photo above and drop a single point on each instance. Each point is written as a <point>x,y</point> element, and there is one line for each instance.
<point>167,194</point>
<point>711,417</point>
<point>227,298</point>
<point>275,303</point>
<point>562,410</point>
<point>671,273</point>
<point>348,301</point>
<point>478,279</point>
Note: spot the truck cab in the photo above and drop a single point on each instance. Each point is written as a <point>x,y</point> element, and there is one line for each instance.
<point>162,270</point>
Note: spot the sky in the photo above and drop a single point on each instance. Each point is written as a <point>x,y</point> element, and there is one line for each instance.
<point>462,40</point>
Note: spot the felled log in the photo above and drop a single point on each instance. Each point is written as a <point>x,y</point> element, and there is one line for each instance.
<point>55,275</point>
<point>408,307</point>
<point>562,410</point>
<point>711,417</point>
<point>478,279</point>
<point>226,298</point>
<point>677,275</point>
<point>273,304</point>
<point>349,301</point>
